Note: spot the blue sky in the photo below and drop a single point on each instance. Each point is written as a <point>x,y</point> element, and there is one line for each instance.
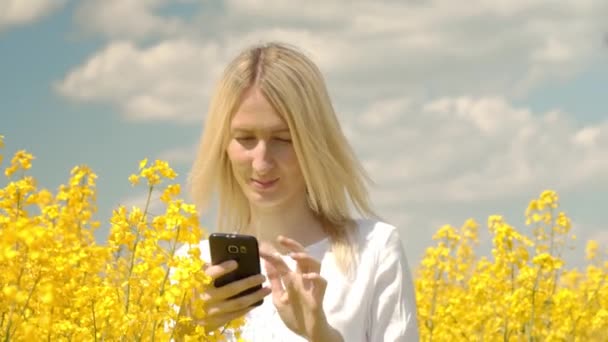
<point>456,112</point>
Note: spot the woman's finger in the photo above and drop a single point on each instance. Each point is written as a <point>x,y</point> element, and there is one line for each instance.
<point>274,277</point>
<point>213,322</point>
<point>239,303</point>
<point>234,288</point>
<point>316,285</point>
<point>306,263</point>
<point>317,279</point>
<point>278,262</point>
<point>211,293</point>
<point>216,271</point>
<point>291,244</point>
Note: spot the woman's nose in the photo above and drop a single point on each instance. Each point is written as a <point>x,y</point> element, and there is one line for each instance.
<point>261,161</point>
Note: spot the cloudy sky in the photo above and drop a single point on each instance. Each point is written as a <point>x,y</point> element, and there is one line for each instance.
<point>456,110</point>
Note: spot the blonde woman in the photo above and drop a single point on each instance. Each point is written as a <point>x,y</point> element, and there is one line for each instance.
<point>273,153</point>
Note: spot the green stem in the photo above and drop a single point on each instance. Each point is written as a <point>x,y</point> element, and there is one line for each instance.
<point>79,231</point>
<point>18,203</point>
<point>153,331</point>
<point>29,296</point>
<point>7,338</point>
<point>173,249</point>
<point>10,314</point>
<point>48,336</point>
<point>94,320</point>
<point>551,225</point>
<point>22,313</point>
<point>434,303</point>
<point>593,295</point>
<point>107,324</point>
<point>132,263</point>
<point>19,196</point>
<point>166,277</point>
<point>128,290</point>
<point>181,306</point>
<point>536,281</point>
<point>506,323</point>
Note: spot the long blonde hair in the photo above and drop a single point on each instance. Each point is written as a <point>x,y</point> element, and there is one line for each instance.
<point>335,180</point>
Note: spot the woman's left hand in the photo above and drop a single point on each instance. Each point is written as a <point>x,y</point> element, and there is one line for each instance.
<point>298,295</point>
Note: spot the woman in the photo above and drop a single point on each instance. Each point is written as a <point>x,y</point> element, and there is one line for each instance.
<point>273,152</point>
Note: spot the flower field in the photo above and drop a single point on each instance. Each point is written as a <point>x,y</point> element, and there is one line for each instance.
<point>523,292</point>
<point>58,284</point>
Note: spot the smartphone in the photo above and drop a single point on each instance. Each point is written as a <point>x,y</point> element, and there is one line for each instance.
<point>241,248</point>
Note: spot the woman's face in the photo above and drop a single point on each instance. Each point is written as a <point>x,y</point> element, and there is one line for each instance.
<point>262,155</point>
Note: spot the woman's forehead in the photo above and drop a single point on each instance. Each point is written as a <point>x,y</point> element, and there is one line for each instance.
<point>255,113</point>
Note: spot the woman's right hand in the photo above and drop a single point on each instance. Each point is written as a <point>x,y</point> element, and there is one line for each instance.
<point>219,308</point>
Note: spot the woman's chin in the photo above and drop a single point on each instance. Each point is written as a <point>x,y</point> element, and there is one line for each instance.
<point>264,200</point>
<point>268,201</point>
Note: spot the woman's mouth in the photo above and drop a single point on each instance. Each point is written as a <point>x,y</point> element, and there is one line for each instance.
<point>263,184</point>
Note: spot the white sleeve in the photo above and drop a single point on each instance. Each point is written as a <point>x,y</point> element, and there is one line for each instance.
<point>394,303</point>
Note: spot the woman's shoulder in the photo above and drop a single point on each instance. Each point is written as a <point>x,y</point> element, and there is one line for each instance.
<point>379,241</point>
<point>376,232</point>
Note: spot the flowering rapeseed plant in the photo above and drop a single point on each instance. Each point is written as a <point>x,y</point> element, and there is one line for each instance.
<point>523,293</point>
<point>59,284</point>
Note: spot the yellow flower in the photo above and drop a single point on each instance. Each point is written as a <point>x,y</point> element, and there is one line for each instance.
<point>143,163</point>
<point>57,281</point>
<point>55,275</point>
<point>591,249</point>
<point>548,261</point>
<point>21,160</point>
<point>134,179</point>
<point>525,292</point>
<point>170,192</point>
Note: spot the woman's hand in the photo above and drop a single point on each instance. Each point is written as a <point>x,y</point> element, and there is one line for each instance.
<point>298,295</point>
<point>219,308</point>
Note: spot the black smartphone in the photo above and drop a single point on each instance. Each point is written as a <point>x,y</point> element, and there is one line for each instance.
<point>241,248</point>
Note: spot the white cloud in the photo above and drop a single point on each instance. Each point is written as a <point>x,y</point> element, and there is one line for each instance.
<point>167,81</point>
<point>601,237</point>
<point>425,44</point>
<point>587,136</point>
<point>122,19</point>
<point>21,12</point>
<point>553,51</point>
<point>469,149</point>
<point>368,50</point>
<point>397,72</point>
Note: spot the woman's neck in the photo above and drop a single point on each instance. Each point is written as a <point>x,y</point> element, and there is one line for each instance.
<point>297,222</point>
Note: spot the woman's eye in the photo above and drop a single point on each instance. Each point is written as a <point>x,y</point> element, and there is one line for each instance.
<point>244,138</point>
<point>283,140</point>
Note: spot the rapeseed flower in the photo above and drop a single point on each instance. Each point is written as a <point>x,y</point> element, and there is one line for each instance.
<point>523,292</point>
<point>59,284</point>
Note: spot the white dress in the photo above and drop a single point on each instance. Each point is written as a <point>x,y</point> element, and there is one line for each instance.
<point>377,304</point>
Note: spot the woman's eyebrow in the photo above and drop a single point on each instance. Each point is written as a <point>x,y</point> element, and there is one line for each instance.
<point>252,129</point>
<point>281,130</point>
